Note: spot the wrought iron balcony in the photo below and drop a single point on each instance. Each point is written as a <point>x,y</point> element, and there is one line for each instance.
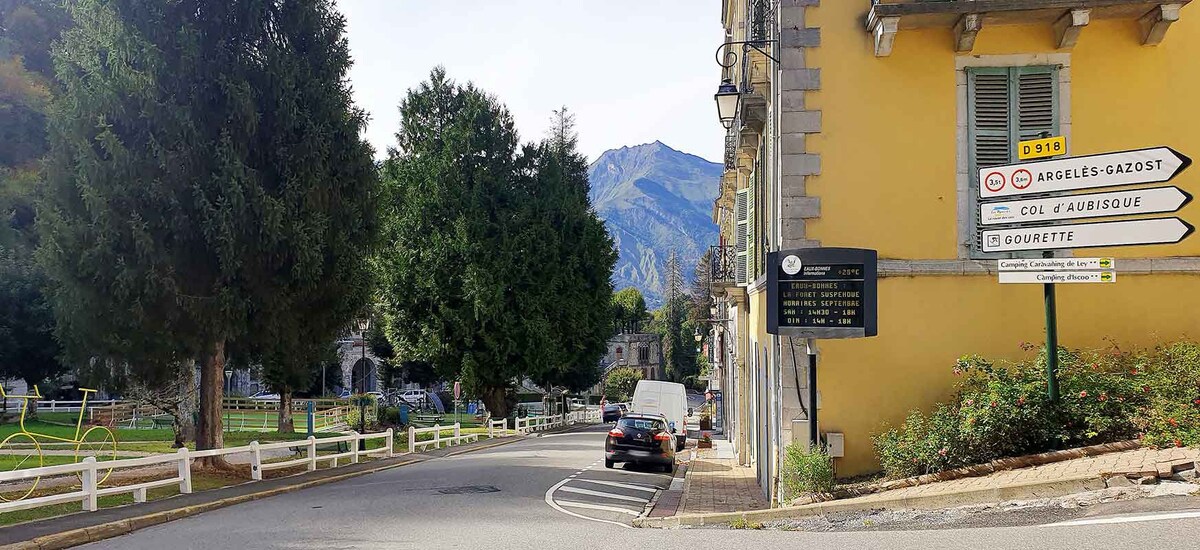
<point>723,265</point>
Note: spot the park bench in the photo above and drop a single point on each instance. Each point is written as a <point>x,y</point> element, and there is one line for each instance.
<point>427,418</point>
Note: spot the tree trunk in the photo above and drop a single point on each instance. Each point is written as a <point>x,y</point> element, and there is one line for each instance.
<point>286,424</point>
<point>208,430</point>
<point>495,399</point>
<point>185,411</point>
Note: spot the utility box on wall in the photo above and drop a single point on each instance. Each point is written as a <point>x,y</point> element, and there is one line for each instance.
<point>835,444</point>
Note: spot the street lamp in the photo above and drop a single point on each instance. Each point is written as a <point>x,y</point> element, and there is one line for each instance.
<point>727,98</point>
<point>364,325</point>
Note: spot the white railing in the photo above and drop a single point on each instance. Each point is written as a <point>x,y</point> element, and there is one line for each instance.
<point>533,423</point>
<point>88,469</point>
<point>497,428</point>
<point>69,406</point>
<point>437,439</point>
<point>330,420</point>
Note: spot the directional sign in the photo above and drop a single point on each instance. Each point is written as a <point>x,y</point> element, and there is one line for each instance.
<point>1119,233</point>
<point>1155,200</point>
<point>1154,165</point>
<point>1043,277</point>
<point>1042,148</point>
<point>1056,264</point>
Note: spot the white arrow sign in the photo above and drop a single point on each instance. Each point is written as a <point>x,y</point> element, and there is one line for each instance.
<point>1095,205</point>
<point>1120,233</point>
<point>1043,277</point>
<point>1154,165</point>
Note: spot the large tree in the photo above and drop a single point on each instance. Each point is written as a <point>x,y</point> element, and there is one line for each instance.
<point>574,260</point>
<point>487,245</point>
<point>452,291</point>
<point>629,310</point>
<point>208,180</point>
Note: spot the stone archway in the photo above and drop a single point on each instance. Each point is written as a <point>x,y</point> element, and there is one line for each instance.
<point>363,376</point>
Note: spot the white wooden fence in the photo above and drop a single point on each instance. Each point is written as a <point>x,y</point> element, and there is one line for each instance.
<point>88,493</point>
<point>438,440</point>
<point>497,428</point>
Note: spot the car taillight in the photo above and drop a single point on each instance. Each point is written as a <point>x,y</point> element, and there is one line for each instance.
<point>662,436</point>
<point>616,432</point>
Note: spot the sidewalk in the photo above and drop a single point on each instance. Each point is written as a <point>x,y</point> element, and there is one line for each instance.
<point>1125,468</point>
<point>713,482</point>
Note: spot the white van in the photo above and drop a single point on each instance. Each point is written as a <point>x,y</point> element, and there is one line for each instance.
<point>666,398</point>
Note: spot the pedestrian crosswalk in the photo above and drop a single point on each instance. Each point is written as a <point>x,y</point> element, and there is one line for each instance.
<point>615,495</point>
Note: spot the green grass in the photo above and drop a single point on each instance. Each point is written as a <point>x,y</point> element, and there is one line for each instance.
<point>68,432</point>
<point>200,482</point>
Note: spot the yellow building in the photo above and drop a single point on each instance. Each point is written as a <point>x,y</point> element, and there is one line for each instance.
<point>864,123</point>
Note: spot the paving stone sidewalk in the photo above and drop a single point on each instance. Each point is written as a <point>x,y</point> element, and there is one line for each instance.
<point>717,483</point>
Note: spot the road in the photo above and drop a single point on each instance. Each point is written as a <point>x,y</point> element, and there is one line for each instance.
<point>501,498</point>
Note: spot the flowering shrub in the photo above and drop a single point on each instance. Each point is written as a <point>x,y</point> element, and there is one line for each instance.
<point>997,412</point>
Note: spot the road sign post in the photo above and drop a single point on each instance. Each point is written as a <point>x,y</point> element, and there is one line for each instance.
<point>1051,341</point>
<point>1053,179</point>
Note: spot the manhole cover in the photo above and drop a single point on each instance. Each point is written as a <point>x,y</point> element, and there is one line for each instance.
<point>468,490</point>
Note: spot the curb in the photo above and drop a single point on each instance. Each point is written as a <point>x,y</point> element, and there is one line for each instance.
<point>1039,489</point>
<point>76,537</point>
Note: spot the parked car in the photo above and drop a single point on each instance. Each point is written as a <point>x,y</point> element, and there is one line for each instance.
<point>265,395</point>
<point>414,398</point>
<point>641,439</point>
<point>612,412</point>
<point>668,399</point>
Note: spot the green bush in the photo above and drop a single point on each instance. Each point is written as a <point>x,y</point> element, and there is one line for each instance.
<point>806,473</point>
<point>998,412</point>
<point>620,384</point>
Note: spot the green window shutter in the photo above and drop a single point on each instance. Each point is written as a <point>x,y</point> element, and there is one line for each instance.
<point>752,247</point>
<point>741,230</point>
<point>1005,105</point>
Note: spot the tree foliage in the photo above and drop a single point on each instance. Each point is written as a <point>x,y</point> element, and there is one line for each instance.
<point>494,264</point>
<point>629,310</point>
<point>620,383</point>
<point>208,183</point>
<point>28,349</point>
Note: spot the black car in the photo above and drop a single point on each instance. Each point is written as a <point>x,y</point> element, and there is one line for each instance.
<point>612,412</point>
<point>640,439</point>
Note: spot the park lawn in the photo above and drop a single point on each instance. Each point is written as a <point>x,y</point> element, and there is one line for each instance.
<point>68,432</point>
<point>200,482</point>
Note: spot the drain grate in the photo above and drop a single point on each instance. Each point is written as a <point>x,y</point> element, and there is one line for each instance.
<point>469,490</point>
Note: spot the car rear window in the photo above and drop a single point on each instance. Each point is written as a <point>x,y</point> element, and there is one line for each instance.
<point>642,424</point>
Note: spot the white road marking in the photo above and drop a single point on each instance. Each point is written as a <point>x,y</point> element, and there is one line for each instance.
<point>621,485</point>
<point>550,501</point>
<point>573,504</point>
<point>603,494</point>
<point>1128,519</point>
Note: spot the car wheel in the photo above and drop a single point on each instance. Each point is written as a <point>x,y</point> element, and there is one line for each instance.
<point>608,463</point>
<point>668,468</point>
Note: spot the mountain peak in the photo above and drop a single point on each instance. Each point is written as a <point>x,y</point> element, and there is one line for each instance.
<point>654,200</point>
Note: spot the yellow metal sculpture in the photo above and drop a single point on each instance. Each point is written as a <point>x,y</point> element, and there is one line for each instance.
<point>25,446</point>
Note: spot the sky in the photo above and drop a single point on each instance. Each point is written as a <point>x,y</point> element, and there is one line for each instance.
<point>632,71</point>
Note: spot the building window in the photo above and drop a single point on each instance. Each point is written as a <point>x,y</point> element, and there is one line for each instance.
<point>1005,105</point>
<point>644,355</point>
